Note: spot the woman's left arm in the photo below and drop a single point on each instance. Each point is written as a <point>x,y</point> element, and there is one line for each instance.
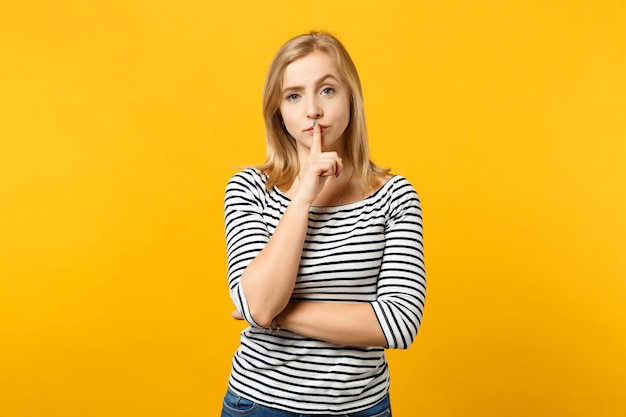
<point>350,324</point>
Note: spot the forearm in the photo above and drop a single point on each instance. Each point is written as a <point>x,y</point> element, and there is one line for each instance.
<point>269,279</point>
<point>350,324</point>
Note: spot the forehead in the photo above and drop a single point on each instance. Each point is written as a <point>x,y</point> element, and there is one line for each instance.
<point>310,69</point>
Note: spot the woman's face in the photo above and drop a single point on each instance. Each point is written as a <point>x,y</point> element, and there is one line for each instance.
<point>313,90</point>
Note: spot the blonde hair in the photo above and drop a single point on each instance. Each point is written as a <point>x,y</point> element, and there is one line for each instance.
<point>281,164</point>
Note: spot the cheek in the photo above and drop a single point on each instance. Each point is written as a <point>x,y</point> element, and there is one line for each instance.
<point>287,116</point>
<point>345,115</point>
<point>344,109</point>
<point>284,118</point>
<point>289,126</point>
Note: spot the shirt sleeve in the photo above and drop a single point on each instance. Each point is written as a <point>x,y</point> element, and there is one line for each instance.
<point>246,232</point>
<point>401,289</point>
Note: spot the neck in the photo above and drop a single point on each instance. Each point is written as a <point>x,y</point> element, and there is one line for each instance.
<point>346,190</point>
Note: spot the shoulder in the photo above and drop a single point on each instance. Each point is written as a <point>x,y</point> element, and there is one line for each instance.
<point>250,178</point>
<point>397,193</point>
<point>247,185</point>
<point>396,184</point>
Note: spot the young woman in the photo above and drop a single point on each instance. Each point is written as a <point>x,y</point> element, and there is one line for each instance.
<point>325,255</point>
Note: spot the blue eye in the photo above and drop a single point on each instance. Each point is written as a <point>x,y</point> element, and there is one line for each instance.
<point>292,97</point>
<point>328,90</point>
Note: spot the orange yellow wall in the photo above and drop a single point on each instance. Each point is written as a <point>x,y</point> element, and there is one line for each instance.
<point>121,121</point>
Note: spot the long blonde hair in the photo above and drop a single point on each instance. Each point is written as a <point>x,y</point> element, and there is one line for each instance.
<point>281,163</point>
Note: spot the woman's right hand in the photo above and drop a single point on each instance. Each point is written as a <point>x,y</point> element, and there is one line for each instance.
<point>317,169</point>
<point>268,281</point>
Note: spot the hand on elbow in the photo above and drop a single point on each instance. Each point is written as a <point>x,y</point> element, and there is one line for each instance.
<point>263,318</point>
<point>238,316</point>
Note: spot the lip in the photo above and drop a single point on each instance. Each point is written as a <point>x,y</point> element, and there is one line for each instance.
<point>323,128</point>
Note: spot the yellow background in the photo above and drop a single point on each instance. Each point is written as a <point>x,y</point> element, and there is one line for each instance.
<point>121,121</point>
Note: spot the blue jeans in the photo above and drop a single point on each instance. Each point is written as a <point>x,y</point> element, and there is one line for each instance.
<point>236,406</point>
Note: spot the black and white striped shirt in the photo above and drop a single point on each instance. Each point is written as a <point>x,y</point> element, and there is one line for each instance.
<point>368,251</point>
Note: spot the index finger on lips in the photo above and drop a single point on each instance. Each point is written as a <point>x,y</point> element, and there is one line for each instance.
<point>316,145</point>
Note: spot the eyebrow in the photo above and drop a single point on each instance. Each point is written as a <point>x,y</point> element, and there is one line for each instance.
<point>318,82</point>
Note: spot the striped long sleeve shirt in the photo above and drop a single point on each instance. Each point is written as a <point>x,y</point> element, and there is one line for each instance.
<point>369,251</point>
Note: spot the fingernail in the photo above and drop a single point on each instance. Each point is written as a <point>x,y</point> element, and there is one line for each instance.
<point>314,123</point>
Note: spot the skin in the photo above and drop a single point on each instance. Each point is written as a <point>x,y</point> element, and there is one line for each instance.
<point>313,92</point>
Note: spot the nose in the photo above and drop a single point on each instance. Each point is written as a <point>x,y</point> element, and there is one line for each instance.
<point>314,110</point>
